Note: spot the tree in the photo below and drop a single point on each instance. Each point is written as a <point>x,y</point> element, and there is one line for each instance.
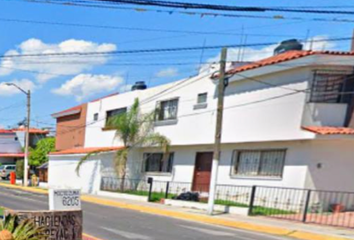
<point>19,169</point>
<point>39,154</point>
<point>134,129</point>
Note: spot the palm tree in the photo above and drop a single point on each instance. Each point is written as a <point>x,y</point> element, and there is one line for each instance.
<point>134,129</point>
<point>11,228</point>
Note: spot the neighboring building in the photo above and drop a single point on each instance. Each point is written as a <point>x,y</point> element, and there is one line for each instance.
<point>12,141</point>
<point>287,122</point>
<point>70,127</point>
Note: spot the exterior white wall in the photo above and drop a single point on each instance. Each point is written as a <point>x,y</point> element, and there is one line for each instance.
<point>8,144</point>
<point>331,165</point>
<point>62,174</point>
<point>253,110</point>
<point>325,114</point>
<point>301,169</point>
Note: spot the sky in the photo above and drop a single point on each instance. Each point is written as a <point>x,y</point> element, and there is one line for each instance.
<point>58,83</point>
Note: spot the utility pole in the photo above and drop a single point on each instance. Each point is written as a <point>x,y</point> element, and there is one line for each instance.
<point>217,144</point>
<point>28,94</point>
<point>27,138</point>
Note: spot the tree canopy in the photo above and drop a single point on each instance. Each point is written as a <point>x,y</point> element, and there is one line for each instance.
<point>39,154</point>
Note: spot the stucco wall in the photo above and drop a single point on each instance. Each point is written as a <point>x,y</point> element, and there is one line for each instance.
<point>71,130</point>
<point>8,144</point>
<point>255,111</point>
<point>62,174</point>
<point>300,170</point>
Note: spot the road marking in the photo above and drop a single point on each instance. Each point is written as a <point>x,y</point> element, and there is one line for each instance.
<point>210,232</point>
<point>128,235</point>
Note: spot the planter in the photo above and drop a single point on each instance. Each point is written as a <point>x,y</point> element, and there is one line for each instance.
<point>337,208</point>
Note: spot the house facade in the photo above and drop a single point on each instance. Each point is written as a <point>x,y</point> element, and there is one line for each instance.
<point>288,122</point>
<point>12,142</point>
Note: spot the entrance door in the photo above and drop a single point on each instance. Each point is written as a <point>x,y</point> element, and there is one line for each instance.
<point>202,172</point>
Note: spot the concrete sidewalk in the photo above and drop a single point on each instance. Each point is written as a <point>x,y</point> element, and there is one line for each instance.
<point>257,224</point>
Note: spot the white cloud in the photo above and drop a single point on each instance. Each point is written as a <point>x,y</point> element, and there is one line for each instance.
<point>168,72</point>
<point>51,67</point>
<point>25,84</point>
<point>319,43</point>
<point>249,54</point>
<point>86,85</point>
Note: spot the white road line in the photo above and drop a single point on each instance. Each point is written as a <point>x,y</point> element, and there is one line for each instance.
<point>210,232</point>
<point>128,235</point>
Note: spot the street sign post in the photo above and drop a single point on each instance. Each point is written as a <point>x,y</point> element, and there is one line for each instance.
<point>64,199</point>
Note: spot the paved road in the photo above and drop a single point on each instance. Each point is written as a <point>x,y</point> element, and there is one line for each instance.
<point>111,223</point>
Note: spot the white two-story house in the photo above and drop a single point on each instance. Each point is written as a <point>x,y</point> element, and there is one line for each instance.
<point>288,122</point>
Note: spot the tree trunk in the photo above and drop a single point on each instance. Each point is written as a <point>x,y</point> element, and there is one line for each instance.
<point>123,173</point>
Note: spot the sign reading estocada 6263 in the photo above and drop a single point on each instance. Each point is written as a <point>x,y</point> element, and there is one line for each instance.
<point>64,199</point>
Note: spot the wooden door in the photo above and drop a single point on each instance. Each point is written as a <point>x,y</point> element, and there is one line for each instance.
<point>202,171</point>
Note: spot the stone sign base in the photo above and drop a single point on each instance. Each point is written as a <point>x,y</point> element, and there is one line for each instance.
<point>59,225</point>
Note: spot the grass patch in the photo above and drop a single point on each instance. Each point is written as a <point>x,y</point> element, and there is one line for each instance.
<point>230,203</point>
<point>264,211</point>
<point>2,211</point>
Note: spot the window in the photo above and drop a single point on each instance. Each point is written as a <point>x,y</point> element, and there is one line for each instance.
<point>16,138</point>
<point>202,98</point>
<point>327,87</point>
<point>155,162</point>
<point>113,113</point>
<point>95,117</point>
<point>168,110</point>
<point>263,163</point>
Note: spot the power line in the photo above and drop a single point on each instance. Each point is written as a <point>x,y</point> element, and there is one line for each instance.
<point>215,7</point>
<point>160,50</point>
<point>134,28</point>
<point>191,13</point>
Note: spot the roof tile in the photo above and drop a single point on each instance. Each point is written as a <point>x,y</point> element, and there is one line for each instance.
<point>287,56</point>
<point>86,150</point>
<point>330,130</point>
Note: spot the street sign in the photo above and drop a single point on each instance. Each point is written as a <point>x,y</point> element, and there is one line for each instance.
<point>58,225</point>
<point>64,199</point>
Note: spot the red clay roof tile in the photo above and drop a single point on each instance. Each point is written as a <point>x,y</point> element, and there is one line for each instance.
<point>32,130</point>
<point>86,150</point>
<point>287,56</point>
<point>330,130</point>
<point>12,155</point>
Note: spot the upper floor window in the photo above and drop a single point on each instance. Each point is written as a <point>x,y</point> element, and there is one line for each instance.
<point>113,113</point>
<point>327,87</point>
<point>259,163</point>
<point>202,98</point>
<point>167,110</point>
<point>155,162</point>
<point>95,117</point>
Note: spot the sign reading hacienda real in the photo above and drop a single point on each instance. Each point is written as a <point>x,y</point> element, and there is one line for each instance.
<point>64,199</point>
<point>58,225</point>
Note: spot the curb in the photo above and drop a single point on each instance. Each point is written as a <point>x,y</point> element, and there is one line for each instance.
<point>278,231</point>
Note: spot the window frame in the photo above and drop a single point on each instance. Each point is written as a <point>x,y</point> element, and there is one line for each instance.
<point>95,117</point>
<point>159,109</point>
<point>124,109</point>
<point>236,158</point>
<point>200,95</point>
<point>319,97</point>
<point>169,168</point>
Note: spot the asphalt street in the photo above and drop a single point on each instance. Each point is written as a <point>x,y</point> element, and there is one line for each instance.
<point>110,223</point>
